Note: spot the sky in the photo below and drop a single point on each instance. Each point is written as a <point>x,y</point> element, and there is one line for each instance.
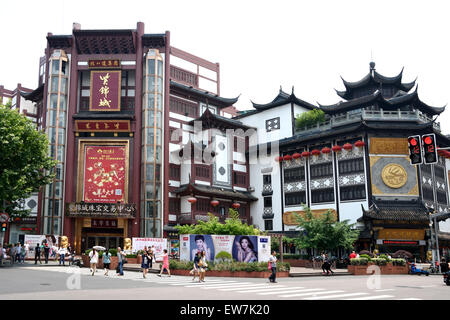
<point>260,45</point>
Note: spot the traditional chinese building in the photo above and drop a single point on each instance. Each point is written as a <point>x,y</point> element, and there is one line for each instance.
<point>355,163</point>
<point>110,101</point>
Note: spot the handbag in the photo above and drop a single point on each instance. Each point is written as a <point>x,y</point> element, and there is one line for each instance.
<point>270,265</point>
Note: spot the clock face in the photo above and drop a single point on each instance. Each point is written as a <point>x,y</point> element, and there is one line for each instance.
<point>394,175</point>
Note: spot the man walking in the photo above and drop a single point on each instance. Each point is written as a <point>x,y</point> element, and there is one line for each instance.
<point>46,252</point>
<point>37,254</point>
<point>273,267</point>
<point>19,253</point>
<point>12,253</point>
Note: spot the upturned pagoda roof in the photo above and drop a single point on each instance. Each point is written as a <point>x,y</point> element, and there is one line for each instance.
<point>397,210</point>
<point>284,98</point>
<point>34,96</point>
<point>377,79</point>
<point>211,120</point>
<point>202,95</point>
<point>387,104</point>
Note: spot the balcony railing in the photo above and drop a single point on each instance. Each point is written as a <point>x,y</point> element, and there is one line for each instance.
<point>381,115</point>
<point>183,76</point>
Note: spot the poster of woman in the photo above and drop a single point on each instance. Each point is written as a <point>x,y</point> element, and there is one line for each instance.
<point>245,248</point>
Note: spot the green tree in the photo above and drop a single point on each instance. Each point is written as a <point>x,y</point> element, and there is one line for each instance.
<point>324,232</point>
<point>24,164</point>
<point>232,226</point>
<point>309,118</point>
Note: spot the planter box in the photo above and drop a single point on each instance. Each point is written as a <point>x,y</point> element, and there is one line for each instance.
<point>112,266</point>
<point>387,269</point>
<point>236,274</point>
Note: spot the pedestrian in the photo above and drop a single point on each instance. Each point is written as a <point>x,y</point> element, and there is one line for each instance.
<point>328,265</point>
<point>106,261</point>
<point>444,266</point>
<point>37,254</point>
<point>273,267</point>
<point>1,255</point>
<point>12,254</point>
<point>46,252</point>
<point>352,255</point>
<point>324,264</point>
<point>93,255</point>
<point>62,255</point>
<point>19,253</point>
<point>145,262</point>
<point>27,250</point>
<point>69,254</point>
<point>121,259</point>
<point>195,269</point>
<point>203,266</point>
<point>165,265</point>
<point>23,253</point>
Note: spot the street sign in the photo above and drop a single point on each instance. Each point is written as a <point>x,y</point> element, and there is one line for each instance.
<point>4,217</point>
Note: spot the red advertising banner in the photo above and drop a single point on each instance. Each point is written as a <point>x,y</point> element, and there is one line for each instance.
<point>105,174</point>
<point>105,90</point>
<point>102,126</point>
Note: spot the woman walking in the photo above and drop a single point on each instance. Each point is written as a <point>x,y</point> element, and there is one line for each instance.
<point>145,262</point>
<point>106,261</point>
<point>165,265</point>
<point>273,263</point>
<point>94,260</point>
<point>203,266</point>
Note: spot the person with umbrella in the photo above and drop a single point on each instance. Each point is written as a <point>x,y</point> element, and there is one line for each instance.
<point>93,255</point>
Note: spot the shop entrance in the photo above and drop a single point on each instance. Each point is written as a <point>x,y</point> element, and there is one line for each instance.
<point>110,238</point>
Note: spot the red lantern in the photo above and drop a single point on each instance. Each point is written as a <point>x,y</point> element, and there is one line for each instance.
<point>359,144</point>
<point>296,155</point>
<point>326,150</point>
<point>336,148</point>
<point>192,200</point>
<point>214,202</point>
<point>279,159</point>
<point>287,158</point>
<point>348,146</point>
<point>315,152</point>
<point>236,205</point>
<point>305,154</point>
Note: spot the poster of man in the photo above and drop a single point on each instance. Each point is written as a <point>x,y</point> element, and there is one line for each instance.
<point>245,249</point>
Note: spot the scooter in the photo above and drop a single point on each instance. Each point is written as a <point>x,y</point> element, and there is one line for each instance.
<point>414,270</point>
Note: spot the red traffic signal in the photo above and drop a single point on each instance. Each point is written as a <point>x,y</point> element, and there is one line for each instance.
<point>429,148</point>
<point>415,151</point>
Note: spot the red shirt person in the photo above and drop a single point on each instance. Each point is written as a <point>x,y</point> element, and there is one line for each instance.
<point>352,255</point>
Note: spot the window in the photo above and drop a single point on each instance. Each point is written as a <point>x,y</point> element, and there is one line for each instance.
<point>428,194</point>
<point>295,174</point>
<point>322,195</point>
<point>439,172</point>
<point>174,172</point>
<point>321,170</point>
<point>268,224</point>
<point>203,205</point>
<point>272,124</point>
<point>188,109</point>
<point>351,166</point>
<point>240,179</point>
<point>267,202</point>
<point>295,198</point>
<point>441,197</point>
<point>267,179</point>
<point>85,90</point>
<point>202,171</point>
<point>174,205</point>
<point>353,193</point>
<point>128,88</point>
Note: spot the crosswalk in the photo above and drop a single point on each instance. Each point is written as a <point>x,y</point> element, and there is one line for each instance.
<point>281,290</point>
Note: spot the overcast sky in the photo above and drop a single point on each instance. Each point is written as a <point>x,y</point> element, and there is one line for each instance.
<point>260,45</point>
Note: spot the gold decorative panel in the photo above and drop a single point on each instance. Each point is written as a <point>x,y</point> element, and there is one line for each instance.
<point>388,146</point>
<point>289,217</point>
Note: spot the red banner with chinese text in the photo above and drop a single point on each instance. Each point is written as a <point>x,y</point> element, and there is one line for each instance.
<point>105,174</point>
<point>102,125</point>
<point>105,90</point>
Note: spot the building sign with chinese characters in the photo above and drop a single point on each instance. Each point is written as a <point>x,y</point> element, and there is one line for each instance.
<point>102,125</point>
<point>101,210</point>
<point>104,64</point>
<point>105,90</point>
<point>105,174</point>
<point>104,223</point>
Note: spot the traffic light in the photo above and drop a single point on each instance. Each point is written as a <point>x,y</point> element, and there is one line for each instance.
<point>4,226</point>
<point>415,151</point>
<point>429,148</point>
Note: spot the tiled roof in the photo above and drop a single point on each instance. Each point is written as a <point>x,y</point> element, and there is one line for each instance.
<point>397,210</point>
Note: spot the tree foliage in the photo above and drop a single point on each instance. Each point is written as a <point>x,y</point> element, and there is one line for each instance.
<point>309,118</point>
<point>24,163</point>
<point>324,232</point>
<point>232,226</point>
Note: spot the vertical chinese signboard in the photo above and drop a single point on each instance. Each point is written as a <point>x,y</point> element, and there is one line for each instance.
<point>105,173</point>
<point>105,90</point>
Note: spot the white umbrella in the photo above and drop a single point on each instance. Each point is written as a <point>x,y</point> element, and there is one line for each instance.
<point>99,248</point>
